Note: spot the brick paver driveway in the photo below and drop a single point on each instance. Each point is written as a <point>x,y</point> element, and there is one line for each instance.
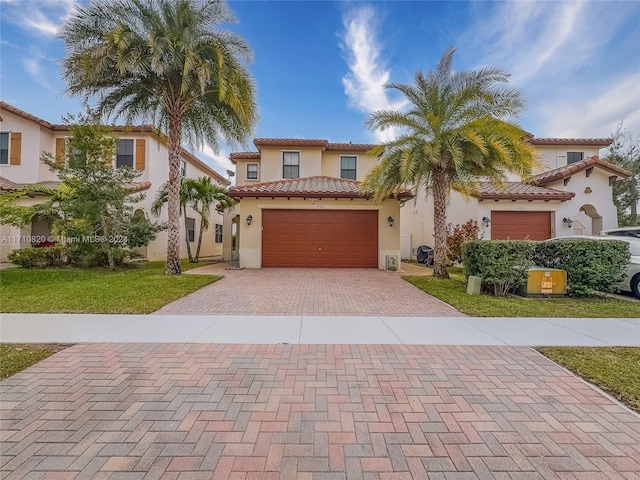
<point>310,412</point>
<point>308,291</point>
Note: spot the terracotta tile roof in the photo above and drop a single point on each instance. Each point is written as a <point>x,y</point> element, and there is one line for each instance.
<point>521,191</point>
<point>318,187</point>
<point>591,142</point>
<point>25,115</point>
<point>8,185</point>
<point>573,168</point>
<point>244,156</point>
<point>355,147</point>
<point>290,142</point>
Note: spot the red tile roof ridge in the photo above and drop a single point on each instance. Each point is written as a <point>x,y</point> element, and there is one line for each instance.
<point>596,142</point>
<point>573,168</point>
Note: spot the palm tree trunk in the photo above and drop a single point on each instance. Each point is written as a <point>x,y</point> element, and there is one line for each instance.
<point>439,223</point>
<point>172,266</point>
<point>199,238</point>
<point>186,229</point>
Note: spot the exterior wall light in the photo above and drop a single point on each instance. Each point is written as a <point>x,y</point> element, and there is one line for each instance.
<point>249,219</point>
<point>486,221</point>
<point>568,222</point>
<point>390,220</point>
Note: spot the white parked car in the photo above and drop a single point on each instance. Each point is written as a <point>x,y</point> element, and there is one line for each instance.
<point>631,281</point>
<point>623,232</point>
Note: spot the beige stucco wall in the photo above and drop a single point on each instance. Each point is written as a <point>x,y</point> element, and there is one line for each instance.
<point>28,169</point>
<point>251,235</point>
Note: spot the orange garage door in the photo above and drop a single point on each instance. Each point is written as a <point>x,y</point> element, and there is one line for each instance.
<point>320,238</point>
<point>520,225</point>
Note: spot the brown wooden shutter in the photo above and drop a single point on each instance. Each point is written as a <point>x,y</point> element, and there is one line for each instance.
<point>60,147</point>
<point>140,153</point>
<point>16,148</point>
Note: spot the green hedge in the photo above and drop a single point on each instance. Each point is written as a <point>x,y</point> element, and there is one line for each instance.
<point>501,264</point>
<point>590,264</point>
<point>40,257</point>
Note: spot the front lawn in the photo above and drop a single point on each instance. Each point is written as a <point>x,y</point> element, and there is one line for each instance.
<point>616,370</point>
<point>136,288</point>
<point>16,357</point>
<point>454,292</point>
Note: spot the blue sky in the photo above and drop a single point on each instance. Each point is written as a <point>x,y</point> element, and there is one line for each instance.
<point>320,66</point>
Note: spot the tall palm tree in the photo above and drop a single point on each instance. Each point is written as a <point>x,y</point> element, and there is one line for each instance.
<point>165,61</point>
<point>205,195</point>
<point>459,128</point>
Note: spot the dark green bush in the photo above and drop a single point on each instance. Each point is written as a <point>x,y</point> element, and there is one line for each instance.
<point>40,257</point>
<point>501,264</point>
<point>590,264</point>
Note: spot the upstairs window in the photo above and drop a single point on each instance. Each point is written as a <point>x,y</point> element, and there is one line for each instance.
<point>348,168</point>
<point>252,171</point>
<point>218,233</point>
<point>124,156</point>
<point>290,164</point>
<point>573,157</point>
<point>4,148</point>
<point>183,168</point>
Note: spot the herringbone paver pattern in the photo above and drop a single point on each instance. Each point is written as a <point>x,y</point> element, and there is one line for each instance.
<point>310,412</point>
<point>311,291</point>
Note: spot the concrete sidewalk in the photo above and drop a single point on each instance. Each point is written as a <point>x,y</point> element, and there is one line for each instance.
<point>74,328</point>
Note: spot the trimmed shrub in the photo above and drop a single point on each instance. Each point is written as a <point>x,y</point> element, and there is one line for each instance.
<point>40,257</point>
<point>590,264</point>
<point>501,264</point>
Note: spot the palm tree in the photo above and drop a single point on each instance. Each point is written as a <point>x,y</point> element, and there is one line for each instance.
<point>165,61</point>
<point>186,197</point>
<point>455,131</point>
<point>206,194</point>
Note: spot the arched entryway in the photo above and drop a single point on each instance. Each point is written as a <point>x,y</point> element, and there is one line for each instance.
<point>589,217</point>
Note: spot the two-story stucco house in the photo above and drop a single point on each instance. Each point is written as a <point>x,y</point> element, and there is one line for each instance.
<point>570,194</point>
<point>23,140</point>
<point>299,205</point>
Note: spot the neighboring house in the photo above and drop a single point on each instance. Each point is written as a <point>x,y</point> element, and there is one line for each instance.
<point>24,138</point>
<point>571,194</point>
<point>299,205</point>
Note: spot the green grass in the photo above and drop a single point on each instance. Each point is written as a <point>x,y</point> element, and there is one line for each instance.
<point>136,288</point>
<point>16,357</point>
<point>616,370</point>
<point>453,291</point>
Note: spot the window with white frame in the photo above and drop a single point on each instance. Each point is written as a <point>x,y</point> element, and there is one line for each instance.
<point>573,157</point>
<point>218,233</point>
<point>252,171</point>
<point>290,164</point>
<point>183,168</point>
<point>124,155</point>
<point>4,148</point>
<point>348,167</point>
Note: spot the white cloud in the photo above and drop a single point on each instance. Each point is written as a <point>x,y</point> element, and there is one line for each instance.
<point>218,161</point>
<point>32,66</point>
<point>44,17</point>
<point>364,84</point>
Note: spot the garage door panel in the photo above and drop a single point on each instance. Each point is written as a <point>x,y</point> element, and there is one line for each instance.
<point>320,238</point>
<point>515,225</point>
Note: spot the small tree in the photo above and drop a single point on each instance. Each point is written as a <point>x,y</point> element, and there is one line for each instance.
<point>625,152</point>
<point>93,208</point>
<point>201,195</point>
<point>457,235</point>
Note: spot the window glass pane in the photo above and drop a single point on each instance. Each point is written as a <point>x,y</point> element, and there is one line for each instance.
<point>124,158</point>
<point>573,157</point>
<point>191,229</point>
<point>291,158</point>
<point>252,171</point>
<point>348,168</point>
<point>4,148</point>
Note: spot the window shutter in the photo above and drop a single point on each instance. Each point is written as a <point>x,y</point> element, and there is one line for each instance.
<point>16,148</point>
<point>60,144</point>
<point>140,153</point>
